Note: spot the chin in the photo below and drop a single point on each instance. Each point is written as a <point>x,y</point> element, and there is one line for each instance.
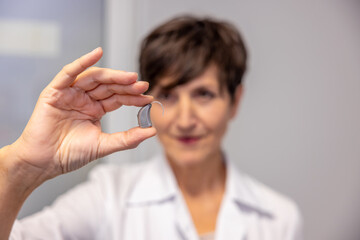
<point>186,159</point>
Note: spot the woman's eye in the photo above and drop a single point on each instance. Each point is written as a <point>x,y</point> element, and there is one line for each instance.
<point>166,96</point>
<point>205,94</point>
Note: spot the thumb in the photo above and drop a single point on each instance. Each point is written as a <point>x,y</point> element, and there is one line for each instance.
<point>110,143</point>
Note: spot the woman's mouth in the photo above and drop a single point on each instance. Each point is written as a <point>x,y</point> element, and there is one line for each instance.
<point>188,139</point>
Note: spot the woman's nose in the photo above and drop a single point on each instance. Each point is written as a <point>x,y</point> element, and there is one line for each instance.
<point>186,119</point>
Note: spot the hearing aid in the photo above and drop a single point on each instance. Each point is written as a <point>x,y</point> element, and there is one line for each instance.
<point>143,115</point>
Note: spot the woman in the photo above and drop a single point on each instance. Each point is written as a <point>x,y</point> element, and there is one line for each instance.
<point>194,68</point>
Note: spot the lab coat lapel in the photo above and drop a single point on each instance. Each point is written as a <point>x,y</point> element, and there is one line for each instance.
<point>239,205</point>
<point>183,221</point>
<point>155,184</point>
<point>231,224</point>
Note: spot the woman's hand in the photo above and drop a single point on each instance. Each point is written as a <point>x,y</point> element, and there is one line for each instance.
<point>64,131</point>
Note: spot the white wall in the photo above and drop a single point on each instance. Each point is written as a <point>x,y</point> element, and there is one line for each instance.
<point>298,128</point>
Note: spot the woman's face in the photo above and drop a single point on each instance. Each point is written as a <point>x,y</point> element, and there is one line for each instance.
<point>195,119</point>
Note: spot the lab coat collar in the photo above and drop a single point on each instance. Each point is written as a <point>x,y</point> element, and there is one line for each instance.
<point>238,206</point>
<point>156,184</point>
<point>239,188</point>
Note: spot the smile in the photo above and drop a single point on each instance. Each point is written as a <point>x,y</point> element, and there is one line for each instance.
<point>188,139</point>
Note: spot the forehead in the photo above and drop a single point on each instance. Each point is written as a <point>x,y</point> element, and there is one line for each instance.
<point>209,77</point>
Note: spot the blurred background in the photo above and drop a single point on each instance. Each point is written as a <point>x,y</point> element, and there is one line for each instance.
<point>298,127</point>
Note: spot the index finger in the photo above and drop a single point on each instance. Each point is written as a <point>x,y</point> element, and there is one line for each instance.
<point>69,72</point>
<point>93,77</point>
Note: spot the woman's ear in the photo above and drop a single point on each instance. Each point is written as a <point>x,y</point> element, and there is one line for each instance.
<point>236,102</point>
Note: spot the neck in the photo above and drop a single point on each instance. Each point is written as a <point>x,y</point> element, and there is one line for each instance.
<point>201,178</point>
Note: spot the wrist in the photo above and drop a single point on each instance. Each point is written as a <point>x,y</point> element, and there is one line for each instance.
<point>15,187</point>
<point>16,176</point>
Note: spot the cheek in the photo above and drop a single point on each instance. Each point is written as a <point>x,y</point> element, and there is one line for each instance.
<point>215,118</point>
<point>159,119</point>
<point>162,123</point>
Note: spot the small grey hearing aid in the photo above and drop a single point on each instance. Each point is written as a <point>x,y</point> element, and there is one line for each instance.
<point>144,115</point>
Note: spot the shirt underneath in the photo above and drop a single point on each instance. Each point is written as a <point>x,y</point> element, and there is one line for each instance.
<point>207,236</point>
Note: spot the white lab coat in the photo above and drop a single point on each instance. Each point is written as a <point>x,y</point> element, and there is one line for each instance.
<point>143,201</point>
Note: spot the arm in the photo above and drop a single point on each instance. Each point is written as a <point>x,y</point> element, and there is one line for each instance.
<point>64,131</point>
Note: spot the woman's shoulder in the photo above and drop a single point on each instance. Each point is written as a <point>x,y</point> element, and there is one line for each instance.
<point>265,197</point>
<point>280,203</point>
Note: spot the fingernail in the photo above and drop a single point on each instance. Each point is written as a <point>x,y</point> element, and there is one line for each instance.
<point>96,49</point>
<point>135,73</point>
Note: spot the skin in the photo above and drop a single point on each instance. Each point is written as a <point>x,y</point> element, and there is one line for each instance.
<point>191,131</point>
<point>64,131</point>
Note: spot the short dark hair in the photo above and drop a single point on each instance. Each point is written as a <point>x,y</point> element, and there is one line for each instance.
<point>185,46</point>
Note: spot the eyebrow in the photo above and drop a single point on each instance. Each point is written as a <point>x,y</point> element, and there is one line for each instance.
<point>170,86</point>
